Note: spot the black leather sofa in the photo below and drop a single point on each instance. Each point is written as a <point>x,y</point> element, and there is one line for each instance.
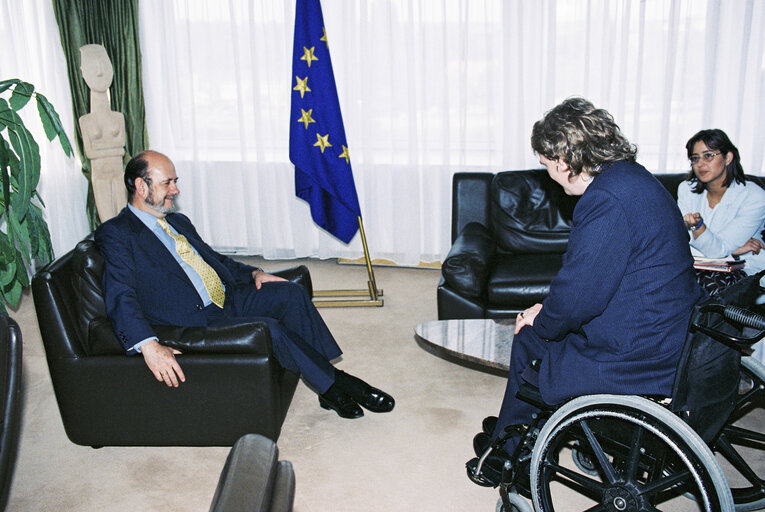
<point>509,233</point>
<point>234,385</point>
<point>254,479</point>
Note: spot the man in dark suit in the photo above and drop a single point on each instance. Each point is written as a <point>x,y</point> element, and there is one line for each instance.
<point>158,271</point>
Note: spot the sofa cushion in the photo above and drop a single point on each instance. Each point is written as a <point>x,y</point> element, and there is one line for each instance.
<point>671,181</point>
<point>466,267</point>
<point>95,329</point>
<point>530,213</point>
<point>520,280</point>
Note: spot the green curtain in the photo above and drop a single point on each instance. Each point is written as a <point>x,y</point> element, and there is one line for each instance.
<point>113,24</point>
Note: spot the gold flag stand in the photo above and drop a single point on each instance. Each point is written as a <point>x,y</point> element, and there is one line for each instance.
<point>372,294</point>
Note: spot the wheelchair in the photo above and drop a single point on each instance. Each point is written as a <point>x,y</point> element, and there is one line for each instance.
<point>700,449</point>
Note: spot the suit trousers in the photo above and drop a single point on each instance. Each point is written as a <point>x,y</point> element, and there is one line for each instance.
<point>527,347</point>
<point>301,340</point>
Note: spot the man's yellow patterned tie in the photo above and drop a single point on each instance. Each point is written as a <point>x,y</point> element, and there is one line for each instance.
<point>209,277</point>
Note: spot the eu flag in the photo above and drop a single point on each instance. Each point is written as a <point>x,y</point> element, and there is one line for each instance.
<point>318,147</point>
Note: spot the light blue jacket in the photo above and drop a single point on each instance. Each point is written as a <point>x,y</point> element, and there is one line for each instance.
<point>739,216</point>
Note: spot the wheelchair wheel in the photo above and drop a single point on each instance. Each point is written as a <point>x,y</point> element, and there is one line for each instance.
<point>646,459</point>
<point>740,448</point>
<point>517,504</point>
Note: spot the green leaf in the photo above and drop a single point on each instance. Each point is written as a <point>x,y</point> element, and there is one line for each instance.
<point>4,149</point>
<point>7,273</point>
<point>39,236</point>
<point>5,84</point>
<point>4,170</point>
<point>7,250</point>
<point>19,235</point>
<point>53,116</point>
<point>21,271</point>
<point>47,122</point>
<point>20,199</point>
<point>12,294</point>
<point>5,114</point>
<point>22,93</point>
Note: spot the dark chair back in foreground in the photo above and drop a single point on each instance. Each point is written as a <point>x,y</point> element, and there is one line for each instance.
<point>10,394</point>
<point>254,479</point>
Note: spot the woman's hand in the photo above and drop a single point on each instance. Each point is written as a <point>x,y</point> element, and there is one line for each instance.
<point>691,219</point>
<point>527,317</point>
<point>752,245</point>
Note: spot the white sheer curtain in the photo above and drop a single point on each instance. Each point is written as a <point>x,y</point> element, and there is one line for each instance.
<point>32,52</point>
<point>429,88</point>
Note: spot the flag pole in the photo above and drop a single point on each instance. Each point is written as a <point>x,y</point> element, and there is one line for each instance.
<point>374,295</point>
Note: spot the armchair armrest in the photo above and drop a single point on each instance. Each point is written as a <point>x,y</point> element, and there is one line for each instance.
<point>246,338</point>
<point>466,267</point>
<point>299,275</point>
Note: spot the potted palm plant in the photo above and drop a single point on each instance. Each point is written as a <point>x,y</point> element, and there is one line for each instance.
<point>24,236</point>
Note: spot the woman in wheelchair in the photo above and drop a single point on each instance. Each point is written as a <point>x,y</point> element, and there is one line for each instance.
<point>615,324</point>
<point>617,313</point>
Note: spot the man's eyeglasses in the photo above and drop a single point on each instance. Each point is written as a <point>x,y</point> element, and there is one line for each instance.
<point>707,157</point>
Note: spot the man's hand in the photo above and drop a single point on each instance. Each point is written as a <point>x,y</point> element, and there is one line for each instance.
<point>261,277</point>
<point>752,245</point>
<point>161,361</point>
<point>527,317</point>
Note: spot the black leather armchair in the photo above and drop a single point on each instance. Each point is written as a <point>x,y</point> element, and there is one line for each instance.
<point>254,479</point>
<point>234,385</point>
<point>509,233</point>
<point>10,407</point>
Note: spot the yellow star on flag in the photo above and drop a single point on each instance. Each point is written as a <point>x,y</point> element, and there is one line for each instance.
<point>302,86</point>
<point>306,118</point>
<point>322,142</point>
<point>324,37</point>
<point>345,155</point>
<point>308,55</point>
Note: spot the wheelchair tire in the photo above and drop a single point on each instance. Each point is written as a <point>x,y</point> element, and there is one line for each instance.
<point>517,504</point>
<point>647,459</point>
<point>741,444</point>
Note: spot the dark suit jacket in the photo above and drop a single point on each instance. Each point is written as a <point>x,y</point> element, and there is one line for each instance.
<point>144,285</point>
<point>618,311</point>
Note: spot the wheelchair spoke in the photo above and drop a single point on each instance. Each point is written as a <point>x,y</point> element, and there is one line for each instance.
<point>666,483</point>
<point>634,455</point>
<point>600,455</point>
<point>727,450</point>
<point>582,480</point>
<point>740,435</point>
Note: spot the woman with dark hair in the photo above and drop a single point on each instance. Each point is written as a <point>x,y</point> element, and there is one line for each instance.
<point>617,314</point>
<point>723,213</point>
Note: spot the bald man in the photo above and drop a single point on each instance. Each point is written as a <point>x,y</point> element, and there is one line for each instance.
<point>158,271</point>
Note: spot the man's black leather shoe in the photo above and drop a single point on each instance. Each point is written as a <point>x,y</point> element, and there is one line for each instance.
<point>365,395</point>
<point>340,402</point>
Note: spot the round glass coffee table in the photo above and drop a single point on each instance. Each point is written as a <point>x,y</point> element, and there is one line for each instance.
<point>482,343</point>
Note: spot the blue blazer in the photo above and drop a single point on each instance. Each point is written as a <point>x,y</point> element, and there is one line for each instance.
<point>144,285</point>
<point>618,311</point>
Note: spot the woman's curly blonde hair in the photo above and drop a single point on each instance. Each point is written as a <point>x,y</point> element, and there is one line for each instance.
<point>581,135</point>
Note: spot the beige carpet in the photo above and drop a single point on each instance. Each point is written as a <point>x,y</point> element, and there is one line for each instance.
<point>410,459</point>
